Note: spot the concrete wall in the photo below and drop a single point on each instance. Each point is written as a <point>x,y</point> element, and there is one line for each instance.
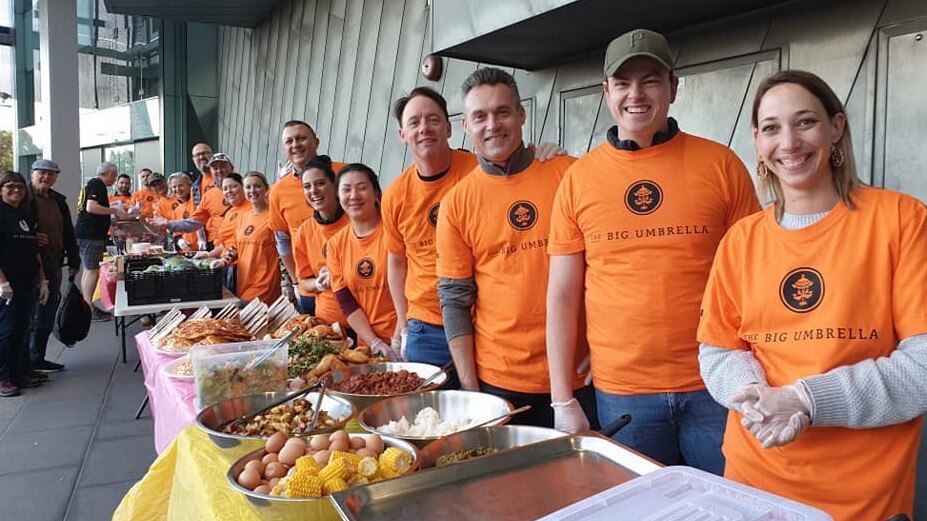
<point>338,64</point>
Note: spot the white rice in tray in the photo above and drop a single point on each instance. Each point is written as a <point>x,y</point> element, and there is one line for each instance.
<point>428,424</point>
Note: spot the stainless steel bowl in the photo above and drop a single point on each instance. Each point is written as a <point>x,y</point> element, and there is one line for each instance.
<point>363,401</point>
<point>501,437</point>
<point>469,406</point>
<point>322,504</point>
<point>210,418</point>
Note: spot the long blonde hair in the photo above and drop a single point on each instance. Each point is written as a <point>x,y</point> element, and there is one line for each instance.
<point>845,177</point>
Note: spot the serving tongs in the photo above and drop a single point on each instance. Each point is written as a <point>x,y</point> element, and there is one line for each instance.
<point>318,405</point>
<point>444,370</point>
<point>513,412</point>
<point>245,418</point>
<point>270,352</point>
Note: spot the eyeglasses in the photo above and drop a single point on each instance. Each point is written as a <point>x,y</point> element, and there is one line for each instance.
<point>14,187</point>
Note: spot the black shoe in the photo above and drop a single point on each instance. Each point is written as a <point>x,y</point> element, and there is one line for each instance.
<point>45,366</point>
<point>35,375</point>
<point>28,382</point>
<point>99,315</point>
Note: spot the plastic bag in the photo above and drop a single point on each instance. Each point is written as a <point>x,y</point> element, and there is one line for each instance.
<point>72,321</point>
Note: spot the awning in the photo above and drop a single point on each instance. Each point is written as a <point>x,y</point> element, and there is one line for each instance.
<point>240,13</point>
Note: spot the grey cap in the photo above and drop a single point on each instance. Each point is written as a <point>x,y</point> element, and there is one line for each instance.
<point>639,42</point>
<point>46,164</point>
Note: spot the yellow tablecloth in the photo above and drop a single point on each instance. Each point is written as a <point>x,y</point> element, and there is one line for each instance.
<point>188,482</point>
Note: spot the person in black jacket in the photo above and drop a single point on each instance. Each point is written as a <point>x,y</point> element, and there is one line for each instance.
<point>57,246</point>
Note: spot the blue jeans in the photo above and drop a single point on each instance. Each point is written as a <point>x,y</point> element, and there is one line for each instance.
<point>306,305</point>
<point>43,319</point>
<point>672,428</point>
<point>427,344</point>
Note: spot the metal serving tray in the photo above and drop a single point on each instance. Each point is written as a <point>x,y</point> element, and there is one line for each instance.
<point>522,483</point>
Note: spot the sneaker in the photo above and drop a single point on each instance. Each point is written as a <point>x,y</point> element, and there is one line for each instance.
<point>35,375</point>
<point>28,382</point>
<point>99,315</point>
<point>8,388</point>
<point>45,366</point>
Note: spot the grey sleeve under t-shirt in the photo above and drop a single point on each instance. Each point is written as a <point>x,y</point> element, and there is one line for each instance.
<point>457,297</point>
<point>870,393</point>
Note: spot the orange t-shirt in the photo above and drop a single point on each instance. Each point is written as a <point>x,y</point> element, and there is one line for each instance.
<point>359,264</point>
<point>147,200</point>
<point>126,201</point>
<point>648,222</point>
<point>288,206</point>
<point>309,255</point>
<point>173,210</point>
<point>230,223</point>
<point>211,212</point>
<point>845,289</point>
<point>410,214</point>
<point>258,263</point>
<point>494,228</point>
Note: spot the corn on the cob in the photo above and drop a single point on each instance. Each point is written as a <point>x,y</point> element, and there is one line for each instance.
<point>396,460</point>
<point>335,469</point>
<point>304,485</point>
<point>334,485</point>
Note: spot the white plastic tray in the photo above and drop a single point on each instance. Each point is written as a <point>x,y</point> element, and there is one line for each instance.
<point>684,493</point>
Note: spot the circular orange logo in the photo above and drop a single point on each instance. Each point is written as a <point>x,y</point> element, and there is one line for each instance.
<point>802,290</point>
<point>643,197</point>
<point>365,268</point>
<point>523,215</point>
<point>433,215</point>
<point>249,229</point>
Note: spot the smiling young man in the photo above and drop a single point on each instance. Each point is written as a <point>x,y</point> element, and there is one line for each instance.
<point>635,226</point>
<point>491,259</point>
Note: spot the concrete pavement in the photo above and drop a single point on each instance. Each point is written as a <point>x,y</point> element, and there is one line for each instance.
<point>70,449</point>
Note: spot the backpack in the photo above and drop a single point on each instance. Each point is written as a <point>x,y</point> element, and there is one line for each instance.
<point>72,321</point>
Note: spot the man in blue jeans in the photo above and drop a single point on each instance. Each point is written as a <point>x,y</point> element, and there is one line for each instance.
<point>57,244</point>
<point>635,225</point>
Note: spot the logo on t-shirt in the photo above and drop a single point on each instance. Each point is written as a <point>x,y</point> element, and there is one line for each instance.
<point>643,197</point>
<point>249,229</point>
<point>523,215</point>
<point>23,225</point>
<point>233,217</point>
<point>365,268</point>
<point>802,290</point>
<point>149,198</point>
<point>186,214</point>
<point>325,250</point>
<point>174,205</point>
<point>433,215</point>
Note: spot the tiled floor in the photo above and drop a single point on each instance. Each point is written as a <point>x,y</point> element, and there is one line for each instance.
<point>70,449</point>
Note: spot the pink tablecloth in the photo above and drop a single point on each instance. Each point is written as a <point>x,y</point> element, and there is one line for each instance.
<point>107,288</point>
<point>172,401</point>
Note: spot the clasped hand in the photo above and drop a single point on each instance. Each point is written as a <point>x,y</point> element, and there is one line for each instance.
<point>776,416</point>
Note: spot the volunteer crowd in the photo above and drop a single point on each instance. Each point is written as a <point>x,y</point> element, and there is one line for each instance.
<point>783,348</point>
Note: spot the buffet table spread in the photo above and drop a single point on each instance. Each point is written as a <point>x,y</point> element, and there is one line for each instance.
<point>187,481</point>
<point>172,401</point>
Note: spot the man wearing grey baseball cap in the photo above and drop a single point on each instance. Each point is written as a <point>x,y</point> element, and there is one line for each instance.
<point>57,246</point>
<point>634,229</point>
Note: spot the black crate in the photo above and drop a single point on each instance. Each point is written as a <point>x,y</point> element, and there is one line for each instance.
<point>173,286</point>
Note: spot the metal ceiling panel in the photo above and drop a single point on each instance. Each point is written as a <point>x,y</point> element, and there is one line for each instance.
<point>239,13</point>
<point>536,34</point>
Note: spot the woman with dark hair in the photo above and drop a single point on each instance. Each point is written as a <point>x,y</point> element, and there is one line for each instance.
<point>814,319</point>
<point>328,218</point>
<point>357,262</point>
<point>253,250</point>
<point>20,273</point>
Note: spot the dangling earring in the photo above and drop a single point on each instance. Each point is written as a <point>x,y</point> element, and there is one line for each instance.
<point>837,156</point>
<point>762,171</point>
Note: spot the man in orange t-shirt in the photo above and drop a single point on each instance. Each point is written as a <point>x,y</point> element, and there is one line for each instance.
<point>491,238</point>
<point>288,208</point>
<point>410,214</point>
<point>212,207</point>
<point>122,193</point>
<point>635,227</point>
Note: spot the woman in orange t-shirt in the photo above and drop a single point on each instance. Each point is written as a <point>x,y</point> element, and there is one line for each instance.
<point>254,250</point>
<point>178,206</point>
<point>328,218</point>
<point>813,327</point>
<point>357,262</point>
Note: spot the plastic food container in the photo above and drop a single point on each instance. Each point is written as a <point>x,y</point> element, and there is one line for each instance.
<point>222,371</point>
<point>686,493</point>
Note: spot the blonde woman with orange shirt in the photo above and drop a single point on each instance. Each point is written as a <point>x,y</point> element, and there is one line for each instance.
<point>357,258</point>
<point>814,319</point>
<point>253,250</point>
